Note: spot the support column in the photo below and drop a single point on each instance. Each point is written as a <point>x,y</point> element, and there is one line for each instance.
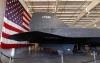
<point>12,52</point>
<point>12,55</point>
<point>30,50</point>
<point>10,60</point>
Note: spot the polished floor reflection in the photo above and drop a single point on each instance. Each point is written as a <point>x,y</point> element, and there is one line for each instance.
<point>44,57</point>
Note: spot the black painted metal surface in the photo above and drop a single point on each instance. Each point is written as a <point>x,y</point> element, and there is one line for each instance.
<point>41,20</point>
<point>47,28</point>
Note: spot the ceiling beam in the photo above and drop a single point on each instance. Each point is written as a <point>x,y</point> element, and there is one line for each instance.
<point>88,8</point>
<point>66,18</point>
<point>93,22</point>
<point>64,12</point>
<point>56,6</point>
<point>66,15</point>
<point>52,6</point>
<point>54,0</point>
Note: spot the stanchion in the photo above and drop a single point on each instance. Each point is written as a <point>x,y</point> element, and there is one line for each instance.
<point>61,54</point>
<point>94,55</point>
<point>10,60</point>
<point>0,57</point>
<point>62,58</point>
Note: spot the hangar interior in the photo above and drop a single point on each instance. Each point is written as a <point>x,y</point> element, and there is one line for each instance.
<point>74,13</point>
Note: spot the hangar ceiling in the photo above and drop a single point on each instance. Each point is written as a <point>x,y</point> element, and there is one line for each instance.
<point>75,13</point>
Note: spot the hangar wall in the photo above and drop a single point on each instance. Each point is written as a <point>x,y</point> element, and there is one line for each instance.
<point>2,10</point>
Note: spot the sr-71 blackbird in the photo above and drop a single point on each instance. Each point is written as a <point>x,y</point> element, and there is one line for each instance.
<point>49,31</point>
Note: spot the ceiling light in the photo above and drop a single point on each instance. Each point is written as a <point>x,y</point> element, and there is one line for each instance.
<point>95,25</point>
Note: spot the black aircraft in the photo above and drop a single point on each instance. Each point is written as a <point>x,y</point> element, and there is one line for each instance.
<point>49,31</point>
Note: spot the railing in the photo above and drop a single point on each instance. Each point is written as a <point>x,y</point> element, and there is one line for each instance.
<point>12,58</point>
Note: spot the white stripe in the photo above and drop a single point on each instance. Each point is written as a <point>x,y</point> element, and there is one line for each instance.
<point>26,26</point>
<point>13,24</point>
<point>25,20</point>
<point>8,41</point>
<point>26,15</point>
<point>10,32</point>
<point>7,31</point>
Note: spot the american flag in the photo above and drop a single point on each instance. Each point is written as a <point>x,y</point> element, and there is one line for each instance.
<point>16,20</point>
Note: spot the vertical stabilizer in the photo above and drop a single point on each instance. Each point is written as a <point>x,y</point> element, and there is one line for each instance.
<point>42,20</point>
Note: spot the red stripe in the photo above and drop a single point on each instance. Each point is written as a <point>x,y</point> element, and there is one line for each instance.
<point>11,28</point>
<point>0,45</point>
<point>8,46</point>
<point>25,28</point>
<point>26,18</point>
<point>27,13</point>
<point>5,35</point>
<point>25,22</point>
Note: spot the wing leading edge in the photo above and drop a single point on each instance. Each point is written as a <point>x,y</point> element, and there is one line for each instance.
<point>46,38</point>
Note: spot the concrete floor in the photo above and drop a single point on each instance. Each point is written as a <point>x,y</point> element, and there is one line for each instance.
<point>41,57</point>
